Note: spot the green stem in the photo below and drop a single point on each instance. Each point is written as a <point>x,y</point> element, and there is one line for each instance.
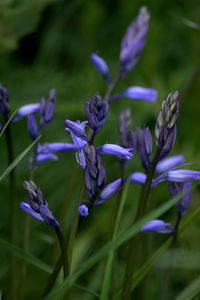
<point>134,241</point>
<point>111,87</point>
<point>12,196</point>
<point>65,206</point>
<point>27,230</point>
<point>69,247</point>
<point>63,252</point>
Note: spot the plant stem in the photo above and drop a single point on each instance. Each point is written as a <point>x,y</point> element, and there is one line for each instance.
<point>12,196</point>
<point>65,205</point>
<point>27,230</point>
<point>69,247</point>
<point>63,252</point>
<point>111,87</point>
<point>171,258</point>
<point>140,212</point>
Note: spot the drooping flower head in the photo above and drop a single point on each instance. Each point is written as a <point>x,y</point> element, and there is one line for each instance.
<point>134,41</point>
<point>37,206</point>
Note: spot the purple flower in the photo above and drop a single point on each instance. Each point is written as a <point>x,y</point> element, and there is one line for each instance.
<point>26,110</point>
<point>178,187</point>
<point>32,126</point>
<point>183,175</point>
<point>4,101</point>
<point>148,141</point>
<point>169,163</point>
<point>83,211</point>
<point>165,130</point>
<point>101,66</point>
<point>78,141</point>
<point>144,146</point>
<point>138,177</point>
<point>108,191</point>
<point>50,107</point>
<point>157,226</point>
<point>134,41</point>
<point>137,93</point>
<point>112,149</point>
<point>77,128</point>
<point>37,206</point>
<point>96,112</point>
<point>59,147</point>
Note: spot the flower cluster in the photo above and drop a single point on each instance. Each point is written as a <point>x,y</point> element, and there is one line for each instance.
<point>37,206</point>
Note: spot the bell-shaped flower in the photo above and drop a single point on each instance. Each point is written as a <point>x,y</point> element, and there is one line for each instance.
<point>137,93</point>
<point>112,149</point>
<point>108,191</point>
<point>157,226</point>
<point>101,66</point>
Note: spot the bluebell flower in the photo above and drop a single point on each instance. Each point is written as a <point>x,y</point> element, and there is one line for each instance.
<point>1,127</point>
<point>96,112</point>
<point>127,136</point>
<point>157,226</point>
<point>169,163</point>
<point>83,210</point>
<point>77,128</point>
<point>32,126</point>
<point>137,93</point>
<point>108,191</point>
<point>95,171</point>
<point>4,101</point>
<point>182,175</point>
<point>79,142</point>
<point>26,110</point>
<point>138,177</point>
<point>144,146</point>
<point>37,206</point>
<point>165,130</point>
<point>101,66</point>
<point>175,188</point>
<point>134,41</point>
<point>50,106</point>
<point>59,147</point>
<point>112,149</point>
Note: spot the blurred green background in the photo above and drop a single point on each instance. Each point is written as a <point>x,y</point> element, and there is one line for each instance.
<point>46,44</point>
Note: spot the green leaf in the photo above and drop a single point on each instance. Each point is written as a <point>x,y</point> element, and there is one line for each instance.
<point>190,291</point>
<point>18,159</point>
<point>122,238</point>
<point>26,256</point>
<point>7,123</point>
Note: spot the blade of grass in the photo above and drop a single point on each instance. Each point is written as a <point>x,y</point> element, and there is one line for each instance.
<point>18,159</point>
<point>26,256</point>
<point>190,291</point>
<point>122,238</point>
<point>7,123</point>
<point>108,271</point>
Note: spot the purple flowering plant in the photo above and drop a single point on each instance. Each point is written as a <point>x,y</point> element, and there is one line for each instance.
<point>99,191</point>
